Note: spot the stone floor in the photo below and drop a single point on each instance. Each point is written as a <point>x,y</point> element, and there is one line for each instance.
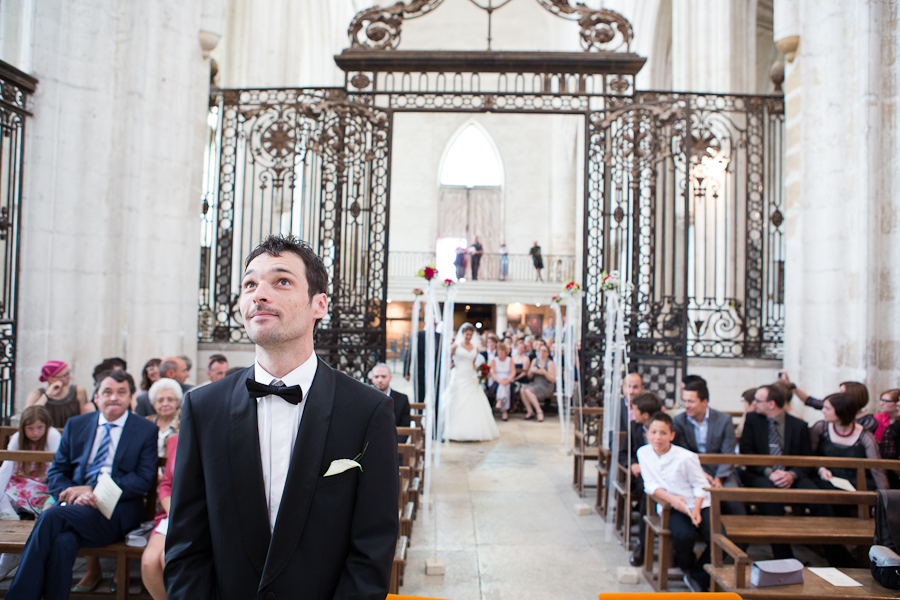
<point>503,520</point>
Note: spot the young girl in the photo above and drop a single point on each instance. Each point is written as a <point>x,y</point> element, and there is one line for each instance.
<point>24,483</point>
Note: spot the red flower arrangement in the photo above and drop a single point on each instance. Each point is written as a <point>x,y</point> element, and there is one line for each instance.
<point>448,283</point>
<point>484,372</point>
<point>429,272</point>
<point>418,292</point>
<point>572,287</point>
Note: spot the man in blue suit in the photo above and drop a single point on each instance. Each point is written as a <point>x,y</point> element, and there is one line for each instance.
<point>111,441</point>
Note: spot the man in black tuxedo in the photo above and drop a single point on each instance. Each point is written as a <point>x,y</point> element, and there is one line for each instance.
<point>110,441</point>
<point>381,378</point>
<point>770,430</point>
<point>263,506</point>
<point>420,365</point>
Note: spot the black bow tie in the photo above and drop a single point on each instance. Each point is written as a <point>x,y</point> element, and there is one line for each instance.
<point>293,394</point>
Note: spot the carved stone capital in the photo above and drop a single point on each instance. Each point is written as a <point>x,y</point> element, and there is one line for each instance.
<point>789,47</point>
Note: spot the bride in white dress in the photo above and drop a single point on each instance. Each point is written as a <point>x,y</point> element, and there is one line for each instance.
<point>468,416</point>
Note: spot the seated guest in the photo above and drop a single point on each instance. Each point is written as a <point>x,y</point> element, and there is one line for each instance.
<point>839,436</point>
<point>889,413</point>
<point>749,403</point>
<point>890,449</point>
<point>381,378</point>
<point>643,406</point>
<point>24,485</point>
<point>521,362</point>
<point>704,430</point>
<point>502,372</point>
<point>108,364</point>
<point>674,474</point>
<point>632,385</point>
<point>62,399</point>
<point>854,389</point>
<point>490,353</point>
<point>150,374</point>
<point>153,560</point>
<point>110,441</point>
<point>216,367</point>
<point>771,431</point>
<point>165,396</point>
<point>542,386</point>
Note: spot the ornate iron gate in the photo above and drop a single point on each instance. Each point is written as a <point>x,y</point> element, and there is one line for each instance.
<point>313,163</point>
<point>15,89</point>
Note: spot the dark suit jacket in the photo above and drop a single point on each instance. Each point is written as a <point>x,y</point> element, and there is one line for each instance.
<point>720,439</point>
<point>420,364</point>
<point>133,467</point>
<point>638,439</point>
<point>334,536</point>
<point>755,440</point>
<point>401,412</point>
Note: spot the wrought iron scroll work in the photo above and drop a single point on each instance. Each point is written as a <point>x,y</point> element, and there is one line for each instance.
<point>601,30</point>
<point>379,28</point>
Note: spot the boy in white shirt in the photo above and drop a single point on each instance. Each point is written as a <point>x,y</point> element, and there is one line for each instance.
<point>674,474</point>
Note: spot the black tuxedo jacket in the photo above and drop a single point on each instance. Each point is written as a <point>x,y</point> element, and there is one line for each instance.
<point>720,439</point>
<point>420,364</point>
<point>334,536</point>
<point>755,440</point>
<point>401,412</point>
<point>638,439</point>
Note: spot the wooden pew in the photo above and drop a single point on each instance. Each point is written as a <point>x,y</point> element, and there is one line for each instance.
<point>583,453</point>
<point>658,525</point>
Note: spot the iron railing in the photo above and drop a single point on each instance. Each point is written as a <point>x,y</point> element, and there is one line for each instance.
<point>16,88</point>
<point>519,267</point>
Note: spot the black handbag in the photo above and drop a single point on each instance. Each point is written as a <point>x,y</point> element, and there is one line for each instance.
<point>884,561</point>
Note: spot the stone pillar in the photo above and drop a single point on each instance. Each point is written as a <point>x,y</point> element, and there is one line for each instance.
<point>113,168</point>
<point>843,269</point>
<point>714,46</point>
<point>501,320</point>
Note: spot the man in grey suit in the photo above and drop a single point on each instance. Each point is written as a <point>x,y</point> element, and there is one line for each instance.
<point>704,430</point>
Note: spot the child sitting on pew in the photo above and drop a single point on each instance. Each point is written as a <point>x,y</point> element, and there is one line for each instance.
<point>24,484</point>
<point>674,474</point>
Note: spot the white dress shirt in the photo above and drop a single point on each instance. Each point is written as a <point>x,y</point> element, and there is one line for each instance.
<point>115,434</point>
<point>279,421</point>
<point>678,471</point>
<point>701,431</point>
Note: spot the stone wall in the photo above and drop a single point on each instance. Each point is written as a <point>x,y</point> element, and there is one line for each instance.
<point>111,196</point>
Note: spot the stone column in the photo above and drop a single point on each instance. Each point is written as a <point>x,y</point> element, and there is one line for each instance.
<point>113,168</point>
<point>501,320</point>
<point>843,269</point>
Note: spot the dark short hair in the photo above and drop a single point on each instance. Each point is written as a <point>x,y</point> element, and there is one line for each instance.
<point>216,358</point>
<point>165,367</point>
<point>749,396</point>
<point>316,273</point>
<point>858,392</point>
<point>108,364</point>
<point>688,379</point>
<point>662,418</point>
<point>145,380</point>
<point>775,394</point>
<point>233,370</point>
<point>786,390</point>
<point>647,402</point>
<point>844,406</point>
<point>697,385</point>
<point>119,376</point>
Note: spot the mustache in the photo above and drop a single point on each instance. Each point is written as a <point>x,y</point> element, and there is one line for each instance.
<point>256,308</point>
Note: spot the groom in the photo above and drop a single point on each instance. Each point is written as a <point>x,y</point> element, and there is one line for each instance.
<point>256,511</point>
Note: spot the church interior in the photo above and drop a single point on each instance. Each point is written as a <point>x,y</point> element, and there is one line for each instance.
<point>651,188</point>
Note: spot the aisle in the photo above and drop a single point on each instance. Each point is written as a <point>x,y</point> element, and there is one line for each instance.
<point>504,523</point>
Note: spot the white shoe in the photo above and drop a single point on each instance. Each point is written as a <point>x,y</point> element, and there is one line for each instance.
<point>692,585</point>
<point>5,570</point>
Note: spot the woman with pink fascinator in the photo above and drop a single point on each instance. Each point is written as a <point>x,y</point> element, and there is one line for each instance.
<point>62,399</point>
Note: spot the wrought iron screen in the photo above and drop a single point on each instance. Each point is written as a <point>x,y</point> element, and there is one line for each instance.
<point>307,162</point>
<point>15,90</point>
<point>685,200</point>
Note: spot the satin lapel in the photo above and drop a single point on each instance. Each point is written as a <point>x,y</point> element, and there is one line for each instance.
<point>303,473</point>
<point>246,472</point>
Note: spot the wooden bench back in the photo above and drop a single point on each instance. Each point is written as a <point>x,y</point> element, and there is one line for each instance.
<point>765,460</point>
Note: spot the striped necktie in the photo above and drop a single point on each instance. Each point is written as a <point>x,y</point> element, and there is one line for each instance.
<point>774,445</point>
<point>93,470</point>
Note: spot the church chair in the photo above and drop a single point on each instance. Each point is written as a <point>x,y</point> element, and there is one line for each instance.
<point>671,596</point>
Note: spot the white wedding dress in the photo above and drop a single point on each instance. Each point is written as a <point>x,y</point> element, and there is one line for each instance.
<point>469,417</point>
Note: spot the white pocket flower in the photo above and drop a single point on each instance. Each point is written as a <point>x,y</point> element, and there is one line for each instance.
<point>340,465</point>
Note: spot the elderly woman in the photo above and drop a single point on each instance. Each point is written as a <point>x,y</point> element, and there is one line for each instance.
<point>165,396</point>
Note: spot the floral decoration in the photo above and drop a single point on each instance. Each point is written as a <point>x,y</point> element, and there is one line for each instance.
<point>418,292</point>
<point>429,272</point>
<point>572,287</point>
<point>448,283</point>
<point>484,371</point>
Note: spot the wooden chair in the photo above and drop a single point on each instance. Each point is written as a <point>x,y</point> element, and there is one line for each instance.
<point>672,596</point>
<point>657,524</point>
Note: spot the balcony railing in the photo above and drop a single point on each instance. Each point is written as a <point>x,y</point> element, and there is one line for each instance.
<point>557,267</point>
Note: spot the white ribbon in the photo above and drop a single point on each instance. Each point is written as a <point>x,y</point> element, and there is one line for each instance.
<point>444,381</point>
<point>613,362</point>
<point>571,354</point>
<point>414,348</point>
<point>430,314</point>
<point>562,403</point>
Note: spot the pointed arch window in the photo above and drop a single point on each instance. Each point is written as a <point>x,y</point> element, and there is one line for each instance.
<point>472,161</point>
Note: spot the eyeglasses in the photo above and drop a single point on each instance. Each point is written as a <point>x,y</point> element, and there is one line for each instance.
<point>888,400</point>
